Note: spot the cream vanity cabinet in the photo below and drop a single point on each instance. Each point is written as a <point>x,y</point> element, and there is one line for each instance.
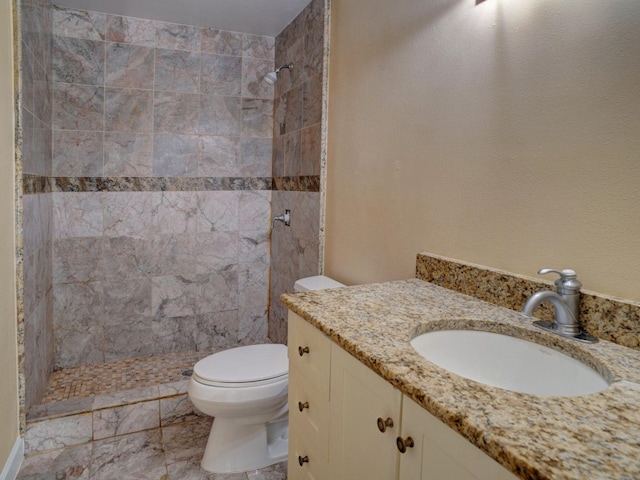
<point>347,423</point>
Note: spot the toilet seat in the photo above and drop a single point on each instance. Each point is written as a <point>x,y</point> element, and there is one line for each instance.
<point>246,366</point>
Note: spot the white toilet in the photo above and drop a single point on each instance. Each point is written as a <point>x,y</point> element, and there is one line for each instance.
<point>245,389</point>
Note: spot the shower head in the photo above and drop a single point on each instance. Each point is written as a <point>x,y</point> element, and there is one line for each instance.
<point>271,77</point>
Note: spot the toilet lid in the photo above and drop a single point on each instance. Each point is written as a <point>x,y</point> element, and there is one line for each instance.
<point>253,363</point>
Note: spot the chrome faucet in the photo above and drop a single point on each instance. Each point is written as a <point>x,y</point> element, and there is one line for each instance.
<point>566,303</point>
<point>284,218</point>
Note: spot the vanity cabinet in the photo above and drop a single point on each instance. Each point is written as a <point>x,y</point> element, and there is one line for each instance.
<point>365,421</point>
<point>348,423</point>
<point>309,353</point>
<point>440,453</point>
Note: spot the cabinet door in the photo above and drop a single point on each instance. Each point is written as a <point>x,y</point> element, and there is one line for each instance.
<point>358,449</point>
<point>440,453</point>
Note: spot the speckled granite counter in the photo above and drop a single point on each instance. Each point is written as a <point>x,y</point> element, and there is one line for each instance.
<point>594,436</point>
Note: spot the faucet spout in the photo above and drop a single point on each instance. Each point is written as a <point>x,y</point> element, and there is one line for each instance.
<point>566,304</point>
<point>565,321</point>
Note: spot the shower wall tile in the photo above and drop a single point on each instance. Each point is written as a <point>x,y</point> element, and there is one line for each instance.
<point>144,337</point>
<point>251,280</point>
<point>216,251</point>
<point>125,298</point>
<point>128,110</point>
<point>127,214</point>
<point>220,115</point>
<point>253,327</point>
<point>312,101</point>
<point>175,155</point>
<point>77,153</point>
<point>129,66</point>
<point>77,215</point>
<point>259,47</point>
<point>177,71</point>
<point>254,246</point>
<point>257,117</point>
<point>127,257</point>
<point>77,304</point>
<point>176,112</point>
<point>219,156</point>
<point>217,329</point>
<point>174,295</point>
<point>79,346</point>
<point>78,23</point>
<point>78,259</point>
<point>297,157</point>
<point>177,37</point>
<point>221,42</point>
<point>218,211</point>
<point>173,212</point>
<point>217,292</point>
<point>139,273</point>
<point>173,254</point>
<point>310,152</point>
<point>76,60</point>
<point>78,107</point>
<point>253,84</point>
<point>221,75</point>
<point>128,154</point>
<point>255,210</point>
<point>136,31</point>
<point>255,156</point>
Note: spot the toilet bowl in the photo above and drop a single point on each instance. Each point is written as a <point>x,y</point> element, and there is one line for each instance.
<point>245,390</point>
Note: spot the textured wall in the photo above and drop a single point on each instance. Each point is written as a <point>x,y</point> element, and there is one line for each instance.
<point>500,133</point>
<point>162,176</point>
<point>9,405</point>
<point>297,158</point>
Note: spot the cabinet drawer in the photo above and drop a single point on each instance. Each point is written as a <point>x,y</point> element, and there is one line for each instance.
<point>310,354</point>
<point>317,466</point>
<point>312,421</point>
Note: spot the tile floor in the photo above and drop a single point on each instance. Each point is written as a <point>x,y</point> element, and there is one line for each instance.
<point>168,453</point>
<point>87,380</point>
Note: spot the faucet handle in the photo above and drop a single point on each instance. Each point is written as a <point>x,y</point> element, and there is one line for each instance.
<point>567,273</point>
<point>568,282</point>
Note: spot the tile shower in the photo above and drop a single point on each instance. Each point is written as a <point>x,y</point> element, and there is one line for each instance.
<point>150,173</point>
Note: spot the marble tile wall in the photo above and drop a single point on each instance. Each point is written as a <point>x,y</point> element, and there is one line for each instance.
<point>297,157</point>
<point>162,140</point>
<point>35,211</point>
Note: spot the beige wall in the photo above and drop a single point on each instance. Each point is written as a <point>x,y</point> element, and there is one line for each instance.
<point>8,372</point>
<point>505,133</point>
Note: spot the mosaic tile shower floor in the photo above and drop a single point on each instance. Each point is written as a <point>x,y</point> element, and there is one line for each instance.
<point>87,380</point>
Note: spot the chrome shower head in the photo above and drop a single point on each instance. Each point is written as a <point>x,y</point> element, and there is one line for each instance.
<point>271,77</point>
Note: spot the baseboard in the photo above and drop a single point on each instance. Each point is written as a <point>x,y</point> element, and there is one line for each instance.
<point>11,468</point>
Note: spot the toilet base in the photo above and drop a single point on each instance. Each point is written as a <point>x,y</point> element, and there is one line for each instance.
<point>234,448</point>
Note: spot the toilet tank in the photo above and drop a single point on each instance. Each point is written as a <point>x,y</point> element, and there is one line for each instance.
<point>319,282</point>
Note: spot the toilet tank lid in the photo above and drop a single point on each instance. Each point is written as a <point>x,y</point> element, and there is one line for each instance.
<point>251,363</point>
<point>319,282</point>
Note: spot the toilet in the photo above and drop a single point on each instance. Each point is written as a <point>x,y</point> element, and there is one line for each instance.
<point>245,390</point>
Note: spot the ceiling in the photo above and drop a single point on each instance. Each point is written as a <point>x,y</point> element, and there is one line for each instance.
<point>259,17</point>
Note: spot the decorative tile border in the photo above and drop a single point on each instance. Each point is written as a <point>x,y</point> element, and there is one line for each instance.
<point>308,183</point>
<point>613,319</point>
<point>35,184</point>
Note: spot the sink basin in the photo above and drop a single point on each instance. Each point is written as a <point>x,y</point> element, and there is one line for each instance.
<point>508,362</point>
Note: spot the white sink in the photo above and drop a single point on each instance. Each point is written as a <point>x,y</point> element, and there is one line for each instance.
<point>508,362</point>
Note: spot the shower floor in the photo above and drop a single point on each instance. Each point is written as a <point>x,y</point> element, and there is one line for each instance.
<point>89,380</point>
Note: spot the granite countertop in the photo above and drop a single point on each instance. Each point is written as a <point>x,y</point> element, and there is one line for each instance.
<point>592,436</point>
